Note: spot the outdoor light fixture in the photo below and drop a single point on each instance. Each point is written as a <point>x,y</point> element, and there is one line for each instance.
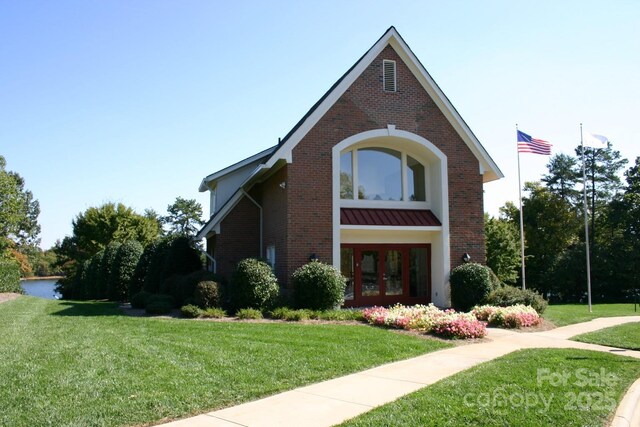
<point>283,185</point>
<point>313,257</point>
<point>466,257</point>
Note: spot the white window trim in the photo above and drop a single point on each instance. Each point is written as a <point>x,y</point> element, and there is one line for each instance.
<point>404,171</point>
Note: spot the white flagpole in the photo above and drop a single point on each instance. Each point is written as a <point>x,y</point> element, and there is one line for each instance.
<point>521,217</point>
<point>586,221</point>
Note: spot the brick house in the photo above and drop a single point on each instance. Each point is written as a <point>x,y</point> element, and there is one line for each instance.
<point>381,178</point>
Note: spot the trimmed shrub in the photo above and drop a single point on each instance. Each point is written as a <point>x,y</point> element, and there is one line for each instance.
<point>188,286</point>
<point>213,313</point>
<point>249,313</point>
<point>191,311</point>
<point>470,284</point>
<point>510,295</point>
<point>254,285</point>
<point>126,260</point>
<point>285,313</point>
<point>181,258</point>
<point>159,304</point>
<point>10,277</point>
<point>207,295</point>
<point>318,286</point>
<point>140,299</point>
<point>173,285</point>
<point>154,276</point>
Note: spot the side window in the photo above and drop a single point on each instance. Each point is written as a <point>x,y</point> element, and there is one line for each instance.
<point>271,256</point>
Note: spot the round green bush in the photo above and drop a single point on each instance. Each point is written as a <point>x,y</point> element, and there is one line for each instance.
<point>470,284</point>
<point>159,304</point>
<point>10,277</point>
<point>207,295</point>
<point>254,285</point>
<point>140,299</point>
<point>318,286</point>
<point>191,311</point>
<point>510,295</point>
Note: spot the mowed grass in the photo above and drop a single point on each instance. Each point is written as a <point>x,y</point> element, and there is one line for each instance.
<point>568,314</point>
<point>86,364</point>
<point>534,387</point>
<point>621,336</point>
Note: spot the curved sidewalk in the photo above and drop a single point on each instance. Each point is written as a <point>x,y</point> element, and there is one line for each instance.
<point>334,401</point>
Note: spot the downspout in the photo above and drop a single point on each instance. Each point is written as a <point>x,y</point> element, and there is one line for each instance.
<point>260,209</point>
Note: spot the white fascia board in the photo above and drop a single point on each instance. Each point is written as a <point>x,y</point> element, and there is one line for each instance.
<point>214,222</point>
<point>488,167</point>
<point>204,185</point>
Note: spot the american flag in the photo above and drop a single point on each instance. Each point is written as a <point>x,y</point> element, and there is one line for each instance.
<point>527,144</point>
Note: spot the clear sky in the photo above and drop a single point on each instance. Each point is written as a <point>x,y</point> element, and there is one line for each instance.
<point>137,101</point>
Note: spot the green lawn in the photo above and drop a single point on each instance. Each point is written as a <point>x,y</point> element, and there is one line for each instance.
<point>535,387</point>
<point>85,364</point>
<point>567,314</point>
<point>621,336</point>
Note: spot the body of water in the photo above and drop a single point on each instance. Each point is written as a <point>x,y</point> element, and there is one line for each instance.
<point>44,288</point>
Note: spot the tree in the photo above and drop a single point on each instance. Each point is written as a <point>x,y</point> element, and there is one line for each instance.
<point>18,211</point>
<point>551,226</point>
<point>602,166</point>
<point>126,259</point>
<point>563,176</point>
<point>185,217</point>
<point>503,248</point>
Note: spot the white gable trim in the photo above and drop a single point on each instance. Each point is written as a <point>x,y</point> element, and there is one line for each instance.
<point>214,223</point>
<point>488,167</point>
<point>229,169</point>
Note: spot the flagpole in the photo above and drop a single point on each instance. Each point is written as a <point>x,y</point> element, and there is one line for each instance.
<point>521,217</point>
<point>586,221</point>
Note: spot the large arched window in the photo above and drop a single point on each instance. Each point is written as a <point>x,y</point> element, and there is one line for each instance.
<point>380,173</point>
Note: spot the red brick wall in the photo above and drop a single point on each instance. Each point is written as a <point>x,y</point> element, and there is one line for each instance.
<point>274,204</point>
<point>238,238</point>
<point>365,106</point>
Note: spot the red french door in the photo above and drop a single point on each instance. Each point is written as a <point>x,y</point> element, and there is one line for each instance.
<point>384,274</point>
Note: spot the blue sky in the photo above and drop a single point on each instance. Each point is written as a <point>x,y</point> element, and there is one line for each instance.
<point>136,101</point>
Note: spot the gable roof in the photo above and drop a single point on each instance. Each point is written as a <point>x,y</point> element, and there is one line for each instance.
<point>489,168</point>
<point>281,153</point>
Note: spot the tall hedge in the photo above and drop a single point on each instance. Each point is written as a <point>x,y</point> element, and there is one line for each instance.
<point>10,277</point>
<point>171,256</point>
<point>106,267</point>
<point>126,259</point>
<point>142,268</point>
<point>92,274</point>
<point>470,284</point>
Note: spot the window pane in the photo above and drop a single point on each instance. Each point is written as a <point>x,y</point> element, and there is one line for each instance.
<point>379,174</point>
<point>416,180</point>
<point>346,176</point>
<point>418,272</point>
<point>393,273</point>
<point>369,270</point>
<point>346,268</point>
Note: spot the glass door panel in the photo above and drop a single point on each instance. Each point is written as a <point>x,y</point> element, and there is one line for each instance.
<point>346,268</point>
<point>369,273</point>
<point>393,272</point>
<point>418,272</point>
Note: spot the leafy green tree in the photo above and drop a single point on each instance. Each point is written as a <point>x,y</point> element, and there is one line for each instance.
<point>551,226</point>
<point>185,217</point>
<point>503,248</point>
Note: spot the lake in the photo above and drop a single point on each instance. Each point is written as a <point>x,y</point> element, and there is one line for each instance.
<point>43,288</point>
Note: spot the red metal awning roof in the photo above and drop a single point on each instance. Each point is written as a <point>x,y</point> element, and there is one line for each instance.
<point>392,217</point>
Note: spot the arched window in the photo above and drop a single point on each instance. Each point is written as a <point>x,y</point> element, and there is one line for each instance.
<point>380,173</point>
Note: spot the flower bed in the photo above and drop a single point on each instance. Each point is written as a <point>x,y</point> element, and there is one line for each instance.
<point>515,316</point>
<point>428,319</point>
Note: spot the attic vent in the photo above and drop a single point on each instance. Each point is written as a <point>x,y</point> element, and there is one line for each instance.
<point>389,75</point>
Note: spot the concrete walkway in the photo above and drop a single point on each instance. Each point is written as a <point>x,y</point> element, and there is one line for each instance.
<point>334,401</point>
